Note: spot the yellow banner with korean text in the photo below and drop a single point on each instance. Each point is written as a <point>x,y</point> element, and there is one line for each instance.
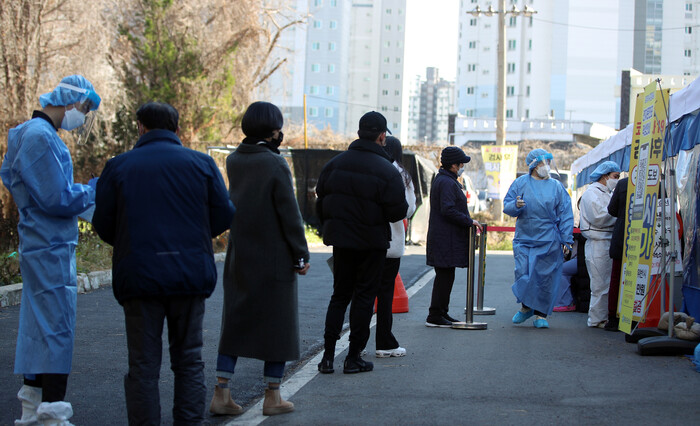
<point>642,195</point>
<point>500,165</point>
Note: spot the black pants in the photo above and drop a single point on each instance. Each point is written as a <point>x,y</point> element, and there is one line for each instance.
<point>53,386</point>
<point>356,278</point>
<point>144,328</point>
<point>385,297</point>
<point>442,288</point>
<point>538,313</point>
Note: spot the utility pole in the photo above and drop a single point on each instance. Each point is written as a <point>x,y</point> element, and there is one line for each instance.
<point>501,53</point>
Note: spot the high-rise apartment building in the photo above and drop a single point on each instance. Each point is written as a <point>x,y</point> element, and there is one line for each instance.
<point>565,62</point>
<point>348,59</point>
<point>430,105</point>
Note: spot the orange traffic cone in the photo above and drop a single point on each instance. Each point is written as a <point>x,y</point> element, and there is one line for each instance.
<point>399,304</point>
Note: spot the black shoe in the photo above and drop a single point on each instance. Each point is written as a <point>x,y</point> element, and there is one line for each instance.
<point>437,322</point>
<point>612,324</point>
<point>356,365</point>
<point>326,366</point>
<point>449,318</point>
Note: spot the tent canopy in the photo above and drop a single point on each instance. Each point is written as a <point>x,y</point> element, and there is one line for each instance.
<point>685,134</point>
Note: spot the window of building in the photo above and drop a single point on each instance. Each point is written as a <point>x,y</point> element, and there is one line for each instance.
<point>330,90</point>
<point>328,112</point>
<point>527,91</point>
<point>527,113</point>
<point>687,53</point>
<point>512,21</point>
<point>511,44</point>
<point>313,90</point>
<point>511,67</point>
<point>331,46</point>
<point>471,67</point>
<point>398,60</point>
<point>472,22</point>
<point>472,45</point>
<point>509,113</point>
<point>313,112</point>
<point>529,24</point>
<point>384,108</point>
<point>387,60</point>
<point>397,92</point>
<point>510,91</point>
<point>396,109</point>
<point>470,90</point>
<point>398,76</point>
<point>400,11</point>
<point>331,68</point>
<point>317,24</point>
<point>689,7</point>
<point>333,25</point>
<point>315,67</point>
<point>315,45</point>
<point>387,27</point>
<point>399,28</point>
<point>529,67</point>
<point>385,92</point>
<point>318,2</point>
<point>385,76</point>
<point>386,44</point>
<point>529,44</point>
<point>688,30</point>
<point>388,11</point>
<point>398,44</point>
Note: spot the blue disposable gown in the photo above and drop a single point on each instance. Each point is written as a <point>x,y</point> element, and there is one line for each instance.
<point>543,224</point>
<point>38,171</point>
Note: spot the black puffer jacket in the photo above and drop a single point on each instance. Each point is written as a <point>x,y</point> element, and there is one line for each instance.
<point>359,193</point>
<point>618,209</point>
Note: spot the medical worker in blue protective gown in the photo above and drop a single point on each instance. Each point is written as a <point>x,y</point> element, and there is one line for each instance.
<point>38,171</point>
<point>543,230</point>
<point>597,226</point>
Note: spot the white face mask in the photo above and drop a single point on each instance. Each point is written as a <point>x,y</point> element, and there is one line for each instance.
<point>611,184</point>
<point>72,119</point>
<point>460,171</point>
<point>543,171</point>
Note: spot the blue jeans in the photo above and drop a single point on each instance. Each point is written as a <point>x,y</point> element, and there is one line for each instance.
<point>226,365</point>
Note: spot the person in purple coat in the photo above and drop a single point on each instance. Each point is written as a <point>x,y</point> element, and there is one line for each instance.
<point>448,232</point>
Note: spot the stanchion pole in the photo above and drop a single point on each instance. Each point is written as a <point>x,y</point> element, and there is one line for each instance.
<point>469,324</point>
<point>480,309</point>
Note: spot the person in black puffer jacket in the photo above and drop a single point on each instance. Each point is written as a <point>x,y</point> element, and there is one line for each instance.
<point>359,193</point>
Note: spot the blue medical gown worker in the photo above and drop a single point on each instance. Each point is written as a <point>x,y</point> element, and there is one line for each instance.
<point>38,171</point>
<point>544,224</point>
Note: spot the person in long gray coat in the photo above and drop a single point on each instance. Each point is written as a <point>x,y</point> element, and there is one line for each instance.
<point>266,250</point>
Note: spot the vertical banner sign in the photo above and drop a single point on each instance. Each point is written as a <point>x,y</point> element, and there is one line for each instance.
<point>642,190</point>
<point>500,164</point>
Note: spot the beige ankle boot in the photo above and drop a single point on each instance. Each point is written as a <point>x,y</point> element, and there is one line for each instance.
<point>222,403</point>
<point>274,404</point>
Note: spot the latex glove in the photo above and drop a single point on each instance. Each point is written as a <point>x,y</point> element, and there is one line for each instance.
<point>519,202</point>
<point>93,183</point>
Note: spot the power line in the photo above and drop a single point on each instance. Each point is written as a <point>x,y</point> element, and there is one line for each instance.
<point>373,107</point>
<point>612,29</point>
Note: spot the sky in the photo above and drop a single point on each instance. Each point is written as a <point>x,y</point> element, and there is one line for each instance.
<point>432,30</point>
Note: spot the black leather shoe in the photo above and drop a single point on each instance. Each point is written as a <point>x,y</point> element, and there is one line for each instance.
<point>612,324</point>
<point>326,366</point>
<point>449,318</point>
<point>357,365</point>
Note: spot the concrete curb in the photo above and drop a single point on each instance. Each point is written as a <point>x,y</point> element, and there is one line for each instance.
<point>11,295</point>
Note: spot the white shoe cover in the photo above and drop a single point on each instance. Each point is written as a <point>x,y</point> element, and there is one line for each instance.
<point>30,398</point>
<point>55,413</point>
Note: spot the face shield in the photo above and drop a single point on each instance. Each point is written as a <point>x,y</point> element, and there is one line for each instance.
<point>88,102</point>
<point>548,160</point>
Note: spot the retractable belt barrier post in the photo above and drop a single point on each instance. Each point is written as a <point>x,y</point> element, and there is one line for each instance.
<point>480,309</point>
<point>469,324</point>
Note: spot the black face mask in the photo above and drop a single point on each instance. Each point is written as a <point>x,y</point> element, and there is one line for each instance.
<point>277,142</point>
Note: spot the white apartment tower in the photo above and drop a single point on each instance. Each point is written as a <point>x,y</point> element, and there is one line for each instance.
<point>429,107</point>
<point>565,62</point>
<point>348,60</point>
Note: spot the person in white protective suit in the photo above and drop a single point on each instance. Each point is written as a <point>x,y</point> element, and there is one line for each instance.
<point>38,171</point>
<point>543,232</point>
<point>597,225</point>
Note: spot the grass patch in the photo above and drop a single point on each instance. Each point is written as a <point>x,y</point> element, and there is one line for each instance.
<point>312,237</point>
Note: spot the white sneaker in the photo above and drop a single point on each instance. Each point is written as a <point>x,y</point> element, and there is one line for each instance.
<point>396,352</point>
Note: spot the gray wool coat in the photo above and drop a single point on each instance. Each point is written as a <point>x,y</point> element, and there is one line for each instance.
<point>260,316</point>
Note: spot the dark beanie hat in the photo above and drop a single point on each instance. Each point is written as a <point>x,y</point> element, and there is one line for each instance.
<point>453,155</point>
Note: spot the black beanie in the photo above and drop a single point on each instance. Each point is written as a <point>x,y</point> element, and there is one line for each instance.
<point>453,155</point>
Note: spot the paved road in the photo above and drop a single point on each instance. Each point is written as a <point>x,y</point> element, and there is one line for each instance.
<point>95,387</point>
<point>503,375</point>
